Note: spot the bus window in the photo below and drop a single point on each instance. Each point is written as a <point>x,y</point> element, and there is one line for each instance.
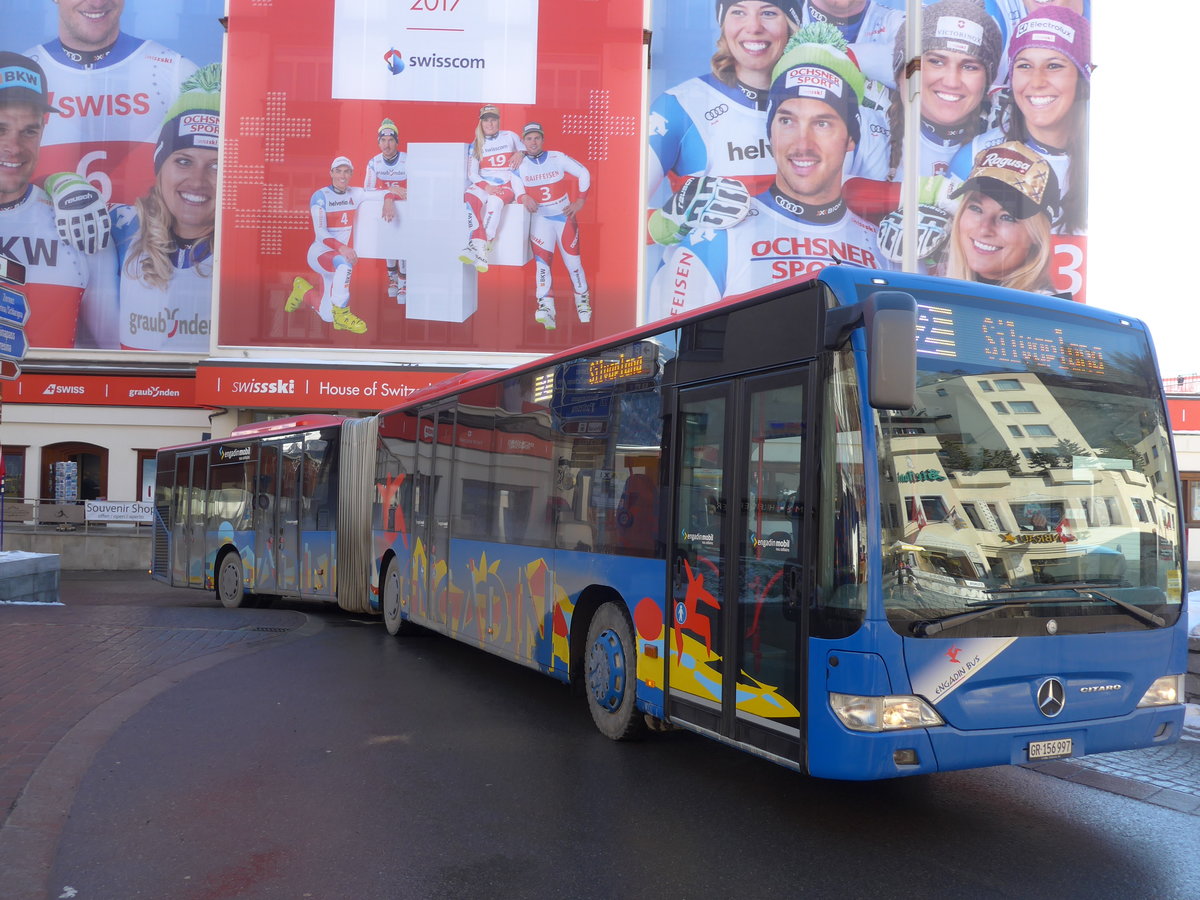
<point>841,576</point>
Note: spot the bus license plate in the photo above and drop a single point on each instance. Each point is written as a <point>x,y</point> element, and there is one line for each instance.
<point>1050,749</point>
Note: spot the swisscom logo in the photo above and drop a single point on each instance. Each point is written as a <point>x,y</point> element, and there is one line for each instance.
<point>394,60</point>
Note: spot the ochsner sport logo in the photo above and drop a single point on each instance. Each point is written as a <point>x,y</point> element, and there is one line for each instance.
<point>204,128</point>
<point>814,77</point>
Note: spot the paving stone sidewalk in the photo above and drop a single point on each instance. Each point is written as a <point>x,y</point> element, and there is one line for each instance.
<point>58,663</point>
<point>1166,776</point>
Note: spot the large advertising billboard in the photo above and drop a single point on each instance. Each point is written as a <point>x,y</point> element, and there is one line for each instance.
<point>462,177</point>
<point>776,143</point>
<point>109,114</point>
<point>451,176</point>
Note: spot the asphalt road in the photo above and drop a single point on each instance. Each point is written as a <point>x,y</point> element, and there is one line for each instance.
<point>330,760</point>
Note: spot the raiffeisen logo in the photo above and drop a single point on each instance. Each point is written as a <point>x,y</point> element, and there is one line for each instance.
<point>53,389</point>
<point>394,60</point>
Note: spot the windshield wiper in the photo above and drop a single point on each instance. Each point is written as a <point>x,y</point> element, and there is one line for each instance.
<point>933,626</point>
<point>1084,589</point>
<point>924,629</point>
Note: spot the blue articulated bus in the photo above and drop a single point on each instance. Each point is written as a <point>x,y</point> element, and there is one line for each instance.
<point>865,526</point>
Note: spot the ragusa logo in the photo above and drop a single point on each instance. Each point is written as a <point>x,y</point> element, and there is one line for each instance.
<point>395,62</point>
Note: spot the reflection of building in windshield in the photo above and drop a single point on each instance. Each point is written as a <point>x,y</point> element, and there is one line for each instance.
<point>1003,479</point>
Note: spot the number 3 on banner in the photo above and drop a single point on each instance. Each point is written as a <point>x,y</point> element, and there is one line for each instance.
<point>98,179</point>
<point>1069,265</point>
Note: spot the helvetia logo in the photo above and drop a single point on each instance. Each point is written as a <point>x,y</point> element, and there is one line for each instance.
<point>394,60</point>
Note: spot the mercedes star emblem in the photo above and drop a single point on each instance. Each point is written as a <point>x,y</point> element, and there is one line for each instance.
<point>1050,697</point>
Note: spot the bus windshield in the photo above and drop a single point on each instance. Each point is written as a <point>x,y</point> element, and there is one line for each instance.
<point>1030,490</point>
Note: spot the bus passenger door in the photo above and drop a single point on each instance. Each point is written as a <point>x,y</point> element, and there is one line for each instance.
<point>439,520</point>
<point>266,503</point>
<point>287,520</point>
<point>431,518</point>
<point>190,520</point>
<point>735,645</point>
<point>696,643</point>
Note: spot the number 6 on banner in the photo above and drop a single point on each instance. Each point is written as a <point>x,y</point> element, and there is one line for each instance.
<point>99,179</point>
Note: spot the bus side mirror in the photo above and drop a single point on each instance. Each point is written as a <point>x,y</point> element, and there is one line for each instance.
<point>892,350</point>
<point>890,319</point>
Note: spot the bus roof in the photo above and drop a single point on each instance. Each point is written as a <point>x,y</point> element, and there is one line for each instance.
<point>289,425</point>
<point>304,422</point>
<point>842,279</point>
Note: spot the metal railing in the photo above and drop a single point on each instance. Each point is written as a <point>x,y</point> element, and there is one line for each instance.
<point>32,513</point>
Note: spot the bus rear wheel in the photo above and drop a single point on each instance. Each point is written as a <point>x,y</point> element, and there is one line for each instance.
<point>230,589</point>
<point>610,674</point>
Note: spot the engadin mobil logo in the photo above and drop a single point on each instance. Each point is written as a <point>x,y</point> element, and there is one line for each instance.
<point>279,386</point>
<point>394,60</point>
<point>55,390</point>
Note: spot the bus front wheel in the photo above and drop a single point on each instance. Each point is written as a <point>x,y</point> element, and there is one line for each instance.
<point>610,674</point>
<point>230,589</point>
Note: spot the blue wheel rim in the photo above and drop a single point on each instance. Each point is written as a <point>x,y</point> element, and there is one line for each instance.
<point>606,670</point>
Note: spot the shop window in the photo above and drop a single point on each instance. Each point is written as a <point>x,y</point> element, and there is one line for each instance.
<point>14,472</point>
<point>88,480</point>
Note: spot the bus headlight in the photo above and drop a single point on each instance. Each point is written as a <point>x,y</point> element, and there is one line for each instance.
<point>890,713</point>
<point>1165,691</point>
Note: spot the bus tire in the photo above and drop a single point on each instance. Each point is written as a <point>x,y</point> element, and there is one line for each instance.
<point>389,601</point>
<point>610,674</point>
<point>230,589</point>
